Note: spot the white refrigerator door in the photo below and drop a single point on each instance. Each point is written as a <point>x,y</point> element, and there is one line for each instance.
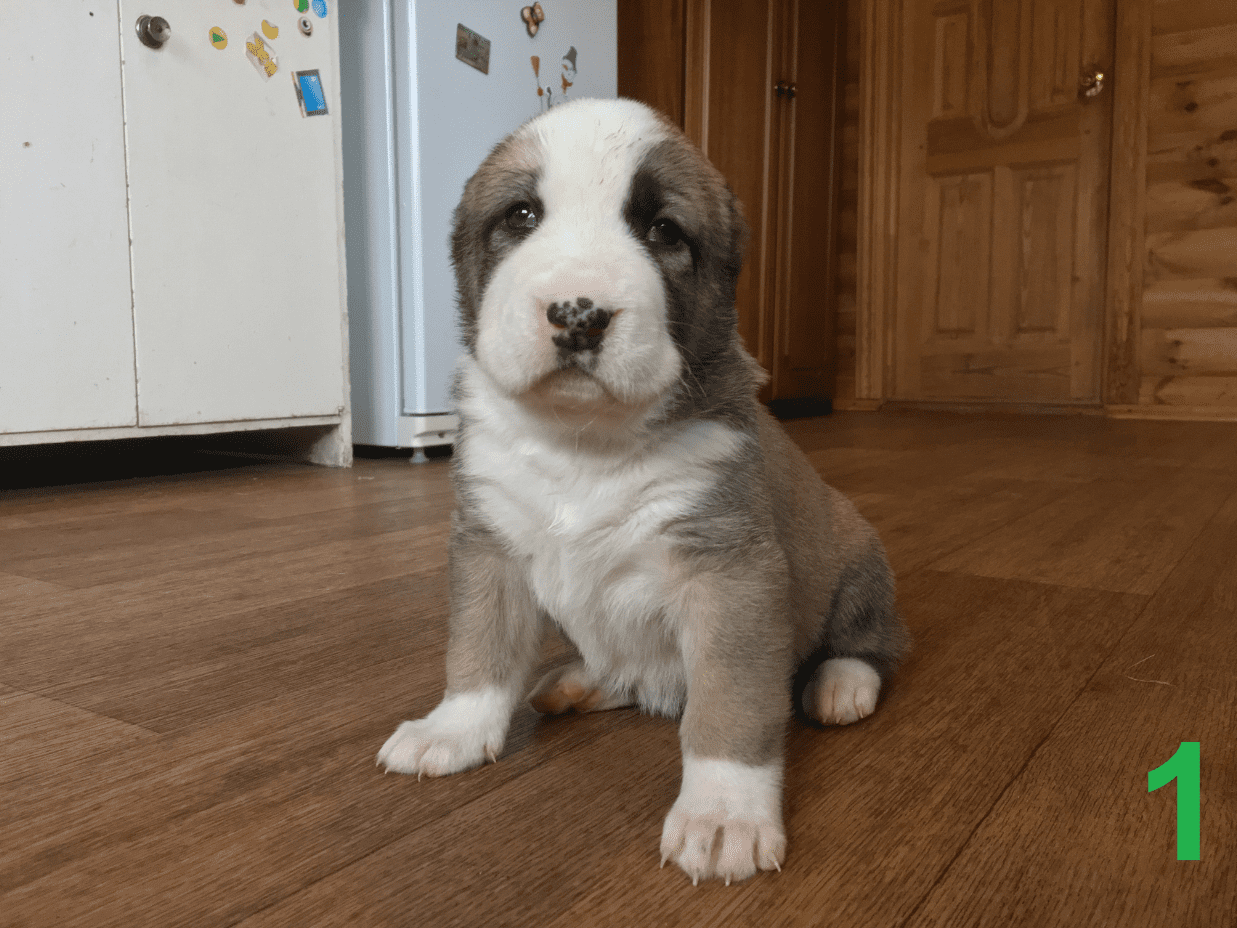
<point>456,115</point>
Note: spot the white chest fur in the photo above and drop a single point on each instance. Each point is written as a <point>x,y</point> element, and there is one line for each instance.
<point>590,528</point>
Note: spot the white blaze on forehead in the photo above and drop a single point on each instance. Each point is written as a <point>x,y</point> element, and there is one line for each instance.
<point>589,152</point>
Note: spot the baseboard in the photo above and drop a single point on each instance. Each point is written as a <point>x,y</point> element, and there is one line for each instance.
<point>853,404</point>
<point>972,407</point>
<point>1164,412</point>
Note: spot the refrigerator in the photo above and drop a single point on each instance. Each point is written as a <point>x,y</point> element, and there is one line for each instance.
<point>427,89</point>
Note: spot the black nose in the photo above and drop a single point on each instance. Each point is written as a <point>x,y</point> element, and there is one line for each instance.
<point>581,325</point>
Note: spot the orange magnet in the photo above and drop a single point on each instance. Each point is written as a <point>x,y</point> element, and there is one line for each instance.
<point>270,30</point>
<point>218,38</point>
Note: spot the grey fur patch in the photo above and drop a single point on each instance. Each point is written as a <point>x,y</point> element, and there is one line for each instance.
<point>479,239</point>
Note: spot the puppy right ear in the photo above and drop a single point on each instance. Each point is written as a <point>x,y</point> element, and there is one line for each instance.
<point>466,260</point>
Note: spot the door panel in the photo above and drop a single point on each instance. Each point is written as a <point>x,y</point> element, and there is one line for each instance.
<point>736,133</point>
<point>1001,245</point>
<point>66,324</point>
<point>236,275</point>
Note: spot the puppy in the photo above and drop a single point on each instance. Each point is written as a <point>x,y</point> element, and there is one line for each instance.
<point>616,476</point>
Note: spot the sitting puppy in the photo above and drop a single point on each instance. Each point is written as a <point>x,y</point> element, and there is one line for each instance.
<point>615,475</point>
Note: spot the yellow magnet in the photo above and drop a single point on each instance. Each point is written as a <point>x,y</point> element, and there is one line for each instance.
<point>301,5</point>
<point>270,31</point>
<point>218,37</point>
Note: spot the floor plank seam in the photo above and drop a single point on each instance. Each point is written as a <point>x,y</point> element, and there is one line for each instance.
<point>979,537</point>
<point>26,691</point>
<point>447,811</point>
<point>1017,775</point>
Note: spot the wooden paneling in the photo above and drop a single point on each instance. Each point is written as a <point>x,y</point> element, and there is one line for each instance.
<point>1188,347</point>
<point>651,41</point>
<point>845,320</point>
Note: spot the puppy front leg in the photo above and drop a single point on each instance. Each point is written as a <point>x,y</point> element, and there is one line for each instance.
<point>495,635</point>
<point>727,820</point>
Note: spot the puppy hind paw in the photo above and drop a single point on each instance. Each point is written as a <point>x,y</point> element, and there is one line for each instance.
<point>570,687</point>
<point>845,690</point>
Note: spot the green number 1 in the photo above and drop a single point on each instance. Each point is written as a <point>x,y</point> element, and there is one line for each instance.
<point>1183,767</point>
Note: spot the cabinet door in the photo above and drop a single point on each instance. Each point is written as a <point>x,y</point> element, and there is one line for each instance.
<point>733,61</point>
<point>810,132</point>
<point>66,327</point>
<point>236,272</point>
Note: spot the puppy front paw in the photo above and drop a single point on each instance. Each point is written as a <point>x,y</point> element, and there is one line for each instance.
<point>461,733</point>
<point>727,821</point>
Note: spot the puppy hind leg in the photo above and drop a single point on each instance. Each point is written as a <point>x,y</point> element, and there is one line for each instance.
<point>572,687</point>
<point>843,690</point>
<point>864,639</point>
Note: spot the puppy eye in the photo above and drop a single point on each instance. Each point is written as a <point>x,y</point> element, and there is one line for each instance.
<point>664,233</point>
<point>522,218</point>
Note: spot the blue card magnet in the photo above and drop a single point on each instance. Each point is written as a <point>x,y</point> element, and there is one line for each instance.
<point>309,92</point>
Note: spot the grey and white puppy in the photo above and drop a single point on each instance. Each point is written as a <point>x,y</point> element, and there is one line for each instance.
<point>616,476</point>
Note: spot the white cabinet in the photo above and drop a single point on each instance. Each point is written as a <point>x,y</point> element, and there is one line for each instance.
<point>66,322</point>
<point>172,220</point>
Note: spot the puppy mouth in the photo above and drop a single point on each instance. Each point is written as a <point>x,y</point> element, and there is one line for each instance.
<point>572,386</point>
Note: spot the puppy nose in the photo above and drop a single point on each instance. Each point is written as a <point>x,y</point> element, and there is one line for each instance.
<point>581,324</point>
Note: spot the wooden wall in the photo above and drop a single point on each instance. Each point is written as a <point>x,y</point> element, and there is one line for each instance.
<point>1189,315</point>
<point>651,41</point>
<point>848,219</point>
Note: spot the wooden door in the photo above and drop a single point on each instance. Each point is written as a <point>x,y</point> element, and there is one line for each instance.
<point>232,199</point>
<point>778,151</point>
<point>734,56</point>
<point>810,118</point>
<point>1001,236</point>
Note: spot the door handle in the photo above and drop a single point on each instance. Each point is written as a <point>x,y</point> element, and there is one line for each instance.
<point>153,31</point>
<point>1091,84</point>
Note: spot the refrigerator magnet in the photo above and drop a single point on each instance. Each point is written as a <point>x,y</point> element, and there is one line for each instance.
<point>306,25</point>
<point>472,48</point>
<point>261,56</point>
<point>309,93</point>
<point>218,38</point>
<point>270,30</point>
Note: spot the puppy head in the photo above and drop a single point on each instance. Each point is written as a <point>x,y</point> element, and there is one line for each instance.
<point>596,252</point>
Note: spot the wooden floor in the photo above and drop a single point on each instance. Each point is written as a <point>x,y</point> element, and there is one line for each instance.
<point>197,669</point>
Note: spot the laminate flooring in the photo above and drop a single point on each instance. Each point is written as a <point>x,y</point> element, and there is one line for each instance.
<point>200,659</point>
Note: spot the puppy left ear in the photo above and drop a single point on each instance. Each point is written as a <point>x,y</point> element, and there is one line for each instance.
<point>739,235</point>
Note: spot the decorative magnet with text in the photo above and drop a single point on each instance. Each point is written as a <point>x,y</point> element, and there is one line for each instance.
<point>309,92</point>
<point>261,56</point>
<point>218,38</point>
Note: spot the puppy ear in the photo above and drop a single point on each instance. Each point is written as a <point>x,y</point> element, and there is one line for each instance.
<point>466,259</point>
<point>739,236</point>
